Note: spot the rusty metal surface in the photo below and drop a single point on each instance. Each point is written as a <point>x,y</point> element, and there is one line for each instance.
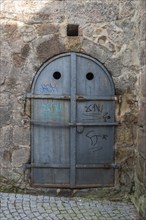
<point>72,121</point>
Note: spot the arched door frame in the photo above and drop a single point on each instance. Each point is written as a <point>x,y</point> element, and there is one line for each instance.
<point>75,170</point>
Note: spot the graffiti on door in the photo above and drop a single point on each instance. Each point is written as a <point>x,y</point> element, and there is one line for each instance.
<point>96,140</point>
<point>96,111</point>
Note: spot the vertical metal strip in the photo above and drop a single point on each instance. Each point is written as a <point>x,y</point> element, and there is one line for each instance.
<point>73,120</point>
<point>32,136</point>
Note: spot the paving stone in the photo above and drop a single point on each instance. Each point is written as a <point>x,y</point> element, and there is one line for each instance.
<point>27,207</point>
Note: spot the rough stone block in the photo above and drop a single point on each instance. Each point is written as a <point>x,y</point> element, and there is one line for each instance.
<point>20,156</point>
<point>97,51</point>
<point>124,136</point>
<point>142,114</point>
<point>5,99</point>
<point>25,50</point>
<point>5,137</point>
<point>125,158</point>
<point>126,81</point>
<point>5,115</point>
<point>18,61</point>
<point>45,29</point>
<point>125,36</point>
<point>124,155</point>
<point>73,44</point>
<point>143,53</point>
<point>27,32</point>
<point>10,27</point>
<point>142,27</point>
<point>49,48</point>
<point>114,66</point>
<point>126,9</point>
<point>145,175</point>
<point>140,164</point>
<point>50,12</point>
<point>21,136</point>
<point>17,45</point>
<point>5,158</point>
<point>142,142</point>
<point>5,69</point>
<point>143,81</point>
<point>92,11</point>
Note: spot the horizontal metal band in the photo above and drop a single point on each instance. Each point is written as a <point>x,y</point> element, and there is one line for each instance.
<point>48,124</point>
<point>46,165</point>
<point>96,98</point>
<point>94,124</point>
<point>52,124</point>
<point>68,97</point>
<point>88,186</point>
<point>47,185</point>
<point>67,166</point>
<point>66,186</point>
<point>98,166</point>
<point>39,96</point>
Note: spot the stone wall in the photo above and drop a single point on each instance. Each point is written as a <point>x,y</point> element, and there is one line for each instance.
<point>32,31</point>
<point>140,176</point>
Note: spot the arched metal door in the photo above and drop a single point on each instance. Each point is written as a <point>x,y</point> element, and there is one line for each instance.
<point>72,117</point>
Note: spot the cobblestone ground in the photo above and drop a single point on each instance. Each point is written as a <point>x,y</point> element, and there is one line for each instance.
<point>29,207</point>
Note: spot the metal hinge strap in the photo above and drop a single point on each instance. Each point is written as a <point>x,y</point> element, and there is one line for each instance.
<point>78,166</point>
<point>52,124</point>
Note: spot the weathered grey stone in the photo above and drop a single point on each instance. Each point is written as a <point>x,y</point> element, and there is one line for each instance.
<point>5,67</point>
<point>25,50</point>
<point>143,53</point>
<point>16,83</point>
<point>5,98</point>
<point>49,48</point>
<point>114,66</point>
<point>45,29</point>
<point>5,137</point>
<point>126,81</point>
<point>99,52</point>
<point>8,28</point>
<point>130,56</point>
<point>142,114</point>
<point>93,12</point>
<point>5,158</point>
<point>126,9</point>
<point>17,45</point>
<point>27,32</point>
<point>12,80</point>
<point>126,173</point>
<point>7,155</point>
<point>45,13</point>
<point>23,138</point>
<point>5,115</point>
<point>142,142</point>
<point>115,34</point>
<point>140,169</point>
<point>73,44</point>
<point>124,137</point>
<point>18,60</point>
<point>20,156</point>
<point>142,26</point>
<point>128,30</point>
<point>143,81</point>
<point>145,176</point>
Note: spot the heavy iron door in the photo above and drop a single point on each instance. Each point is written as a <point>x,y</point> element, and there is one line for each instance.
<point>72,117</point>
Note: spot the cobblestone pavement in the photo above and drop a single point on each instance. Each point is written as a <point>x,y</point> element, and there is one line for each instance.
<point>30,207</point>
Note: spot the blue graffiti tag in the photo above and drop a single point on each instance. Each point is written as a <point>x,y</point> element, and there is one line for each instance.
<point>48,87</point>
<point>52,109</point>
